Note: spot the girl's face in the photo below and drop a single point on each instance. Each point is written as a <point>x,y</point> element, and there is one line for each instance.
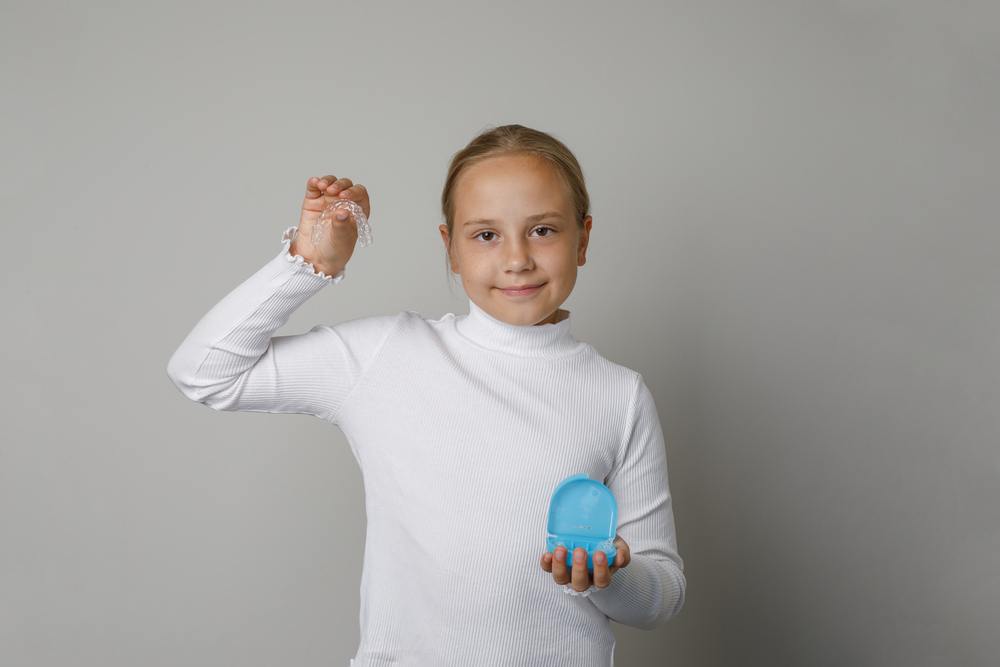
<point>516,242</point>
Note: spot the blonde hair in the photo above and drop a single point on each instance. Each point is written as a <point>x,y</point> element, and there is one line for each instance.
<point>517,140</point>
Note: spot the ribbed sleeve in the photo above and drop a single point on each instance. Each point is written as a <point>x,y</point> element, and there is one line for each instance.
<point>229,361</point>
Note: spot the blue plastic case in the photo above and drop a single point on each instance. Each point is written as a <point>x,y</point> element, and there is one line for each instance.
<point>582,513</point>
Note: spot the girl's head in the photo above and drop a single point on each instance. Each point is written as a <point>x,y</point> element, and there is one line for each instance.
<point>516,223</point>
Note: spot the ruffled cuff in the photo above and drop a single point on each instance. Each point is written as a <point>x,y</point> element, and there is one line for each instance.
<point>569,590</point>
<point>287,239</point>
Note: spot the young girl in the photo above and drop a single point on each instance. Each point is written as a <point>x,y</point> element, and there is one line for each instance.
<point>464,426</point>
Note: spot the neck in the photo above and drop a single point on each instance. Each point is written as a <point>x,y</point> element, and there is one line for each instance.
<point>556,317</point>
<point>540,340</point>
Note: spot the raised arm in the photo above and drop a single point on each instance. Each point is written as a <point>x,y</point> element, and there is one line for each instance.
<point>230,361</point>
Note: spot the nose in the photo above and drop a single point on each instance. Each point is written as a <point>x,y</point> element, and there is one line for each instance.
<point>517,256</point>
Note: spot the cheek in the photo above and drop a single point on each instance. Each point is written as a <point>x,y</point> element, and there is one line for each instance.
<point>563,260</point>
<point>457,253</point>
<point>469,261</point>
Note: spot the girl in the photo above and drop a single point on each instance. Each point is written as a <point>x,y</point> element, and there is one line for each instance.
<point>465,425</point>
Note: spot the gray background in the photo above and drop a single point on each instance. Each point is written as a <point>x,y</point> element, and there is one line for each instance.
<point>795,241</point>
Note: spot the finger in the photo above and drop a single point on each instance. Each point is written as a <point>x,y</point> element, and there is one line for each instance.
<point>620,561</point>
<point>357,193</point>
<point>626,555</point>
<point>315,186</point>
<point>337,186</point>
<point>547,562</point>
<point>581,578</point>
<point>560,573</point>
<point>623,555</point>
<point>602,575</point>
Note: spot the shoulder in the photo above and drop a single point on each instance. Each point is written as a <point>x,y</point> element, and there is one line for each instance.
<point>602,382</point>
<point>365,329</point>
<point>623,379</point>
<point>360,342</point>
<point>412,324</point>
<point>382,327</point>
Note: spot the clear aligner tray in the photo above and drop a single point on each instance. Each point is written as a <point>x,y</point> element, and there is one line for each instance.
<point>364,229</point>
<point>582,513</point>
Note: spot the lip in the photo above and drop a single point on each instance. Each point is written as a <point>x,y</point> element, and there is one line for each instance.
<point>520,290</point>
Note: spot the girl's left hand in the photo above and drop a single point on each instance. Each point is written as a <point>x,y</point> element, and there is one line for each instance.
<point>578,575</point>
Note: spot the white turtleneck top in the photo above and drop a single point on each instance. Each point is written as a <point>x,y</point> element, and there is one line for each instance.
<point>462,427</point>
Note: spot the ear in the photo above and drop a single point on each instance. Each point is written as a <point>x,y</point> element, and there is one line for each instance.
<point>581,253</point>
<point>447,246</point>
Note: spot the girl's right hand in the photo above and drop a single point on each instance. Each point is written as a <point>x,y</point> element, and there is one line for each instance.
<point>338,241</point>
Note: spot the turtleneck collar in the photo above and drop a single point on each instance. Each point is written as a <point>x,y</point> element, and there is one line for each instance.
<point>543,341</point>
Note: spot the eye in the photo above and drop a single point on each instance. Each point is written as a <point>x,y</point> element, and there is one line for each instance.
<point>486,236</point>
<point>542,231</point>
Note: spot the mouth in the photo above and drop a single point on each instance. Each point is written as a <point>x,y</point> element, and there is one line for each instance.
<point>520,290</point>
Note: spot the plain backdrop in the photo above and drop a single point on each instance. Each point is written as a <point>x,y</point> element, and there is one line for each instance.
<point>796,242</point>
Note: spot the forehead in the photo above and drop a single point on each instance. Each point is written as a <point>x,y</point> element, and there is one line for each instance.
<point>521,182</point>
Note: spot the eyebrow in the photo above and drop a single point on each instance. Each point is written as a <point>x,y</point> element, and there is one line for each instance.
<point>533,218</point>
